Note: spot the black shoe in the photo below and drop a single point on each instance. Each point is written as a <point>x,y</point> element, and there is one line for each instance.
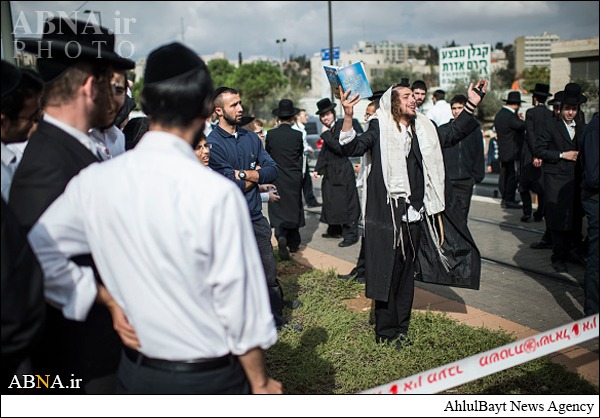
<point>292,304</point>
<point>559,266</point>
<point>540,245</point>
<point>291,327</point>
<point>353,276</point>
<point>402,341</point>
<point>326,235</point>
<point>346,243</point>
<point>314,205</point>
<point>283,251</point>
<point>538,218</point>
<point>526,218</point>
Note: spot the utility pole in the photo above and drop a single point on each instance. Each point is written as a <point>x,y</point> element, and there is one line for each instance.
<point>330,43</point>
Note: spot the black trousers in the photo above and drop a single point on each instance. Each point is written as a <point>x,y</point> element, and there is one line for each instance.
<point>136,379</point>
<point>508,180</point>
<point>263,232</point>
<point>463,191</point>
<point>307,187</point>
<point>291,235</point>
<point>392,318</point>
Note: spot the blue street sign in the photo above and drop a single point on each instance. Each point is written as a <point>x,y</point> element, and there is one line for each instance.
<point>325,53</point>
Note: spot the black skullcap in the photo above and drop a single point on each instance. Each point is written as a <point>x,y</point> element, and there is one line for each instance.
<point>171,61</point>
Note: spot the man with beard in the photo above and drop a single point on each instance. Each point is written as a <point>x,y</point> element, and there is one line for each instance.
<point>239,155</point>
<point>76,62</point>
<point>407,196</point>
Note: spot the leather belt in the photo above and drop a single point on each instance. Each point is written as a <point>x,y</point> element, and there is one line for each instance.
<point>184,366</point>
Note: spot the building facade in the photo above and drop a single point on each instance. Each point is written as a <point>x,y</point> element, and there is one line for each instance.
<point>533,51</point>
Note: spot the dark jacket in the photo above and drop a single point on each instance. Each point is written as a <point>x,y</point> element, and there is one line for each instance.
<point>23,308</point>
<point>244,152</point>
<point>510,131</point>
<point>380,253</point>
<point>87,349</point>
<point>562,178</point>
<point>534,120</point>
<point>338,188</point>
<point>284,144</point>
<point>588,155</point>
<point>465,160</point>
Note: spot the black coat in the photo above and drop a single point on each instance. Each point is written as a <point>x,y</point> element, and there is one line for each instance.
<point>87,349</point>
<point>465,160</point>
<point>562,178</point>
<point>379,251</point>
<point>534,120</point>
<point>338,188</point>
<point>284,144</point>
<point>23,307</point>
<point>510,131</point>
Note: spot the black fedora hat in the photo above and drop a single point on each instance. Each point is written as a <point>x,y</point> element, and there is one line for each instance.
<point>514,97</point>
<point>245,120</point>
<point>376,95</point>
<point>11,77</point>
<point>403,83</point>
<point>572,95</point>
<point>285,109</point>
<point>541,89</point>
<point>324,106</point>
<point>65,41</point>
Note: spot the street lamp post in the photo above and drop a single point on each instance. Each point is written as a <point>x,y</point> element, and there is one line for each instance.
<point>95,12</point>
<point>280,42</point>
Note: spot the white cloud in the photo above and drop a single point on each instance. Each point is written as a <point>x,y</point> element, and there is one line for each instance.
<point>253,27</point>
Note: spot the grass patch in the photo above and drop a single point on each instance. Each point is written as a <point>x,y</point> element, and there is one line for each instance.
<point>336,352</point>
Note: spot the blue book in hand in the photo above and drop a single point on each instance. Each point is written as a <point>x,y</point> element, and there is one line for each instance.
<point>352,77</point>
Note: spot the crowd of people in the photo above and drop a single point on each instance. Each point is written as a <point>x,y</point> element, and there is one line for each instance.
<point>136,255</point>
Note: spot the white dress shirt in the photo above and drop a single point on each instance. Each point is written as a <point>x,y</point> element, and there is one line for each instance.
<point>174,245</point>
<point>9,165</point>
<point>110,142</point>
<point>440,112</point>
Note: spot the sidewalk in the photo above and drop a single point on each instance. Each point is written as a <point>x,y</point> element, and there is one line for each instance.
<point>521,304</point>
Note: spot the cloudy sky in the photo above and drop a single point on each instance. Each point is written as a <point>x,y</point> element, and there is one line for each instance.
<point>253,27</point>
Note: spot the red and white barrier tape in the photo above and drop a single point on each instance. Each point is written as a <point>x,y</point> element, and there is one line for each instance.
<point>492,361</point>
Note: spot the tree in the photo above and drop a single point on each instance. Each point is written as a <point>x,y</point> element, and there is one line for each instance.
<point>392,75</point>
<point>503,78</point>
<point>221,72</point>
<point>534,75</point>
<point>256,82</point>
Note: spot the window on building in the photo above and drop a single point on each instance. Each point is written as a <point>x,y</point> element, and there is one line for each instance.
<point>584,68</point>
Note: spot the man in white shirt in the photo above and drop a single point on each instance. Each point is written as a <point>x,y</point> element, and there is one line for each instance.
<point>163,240</point>
<point>300,121</point>
<point>441,112</point>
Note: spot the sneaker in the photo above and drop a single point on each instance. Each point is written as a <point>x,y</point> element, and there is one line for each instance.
<point>292,304</point>
<point>282,249</point>
<point>289,327</point>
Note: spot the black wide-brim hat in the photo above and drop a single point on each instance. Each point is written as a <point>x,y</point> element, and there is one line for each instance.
<point>65,41</point>
<point>11,77</point>
<point>376,95</point>
<point>541,89</point>
<point>324,106</point>
<point>571,95</point>
<point>514,97</point>
<point>286,109</point>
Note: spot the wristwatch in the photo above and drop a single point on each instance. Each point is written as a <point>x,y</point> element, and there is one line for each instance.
<point>242,175</point>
